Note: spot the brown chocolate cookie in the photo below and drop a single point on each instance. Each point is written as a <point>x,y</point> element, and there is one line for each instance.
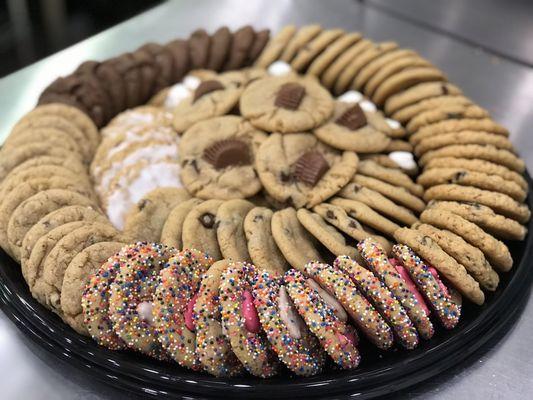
<point>148,70</point>
<point>260,41</point>
<point>199,44</point>
<point>87,91</point>
<point>111,81</point>
<point>220,46</point>
<point>126,66</point>
<point>179,49</point>
<point>243,39</point>
<point>164,64</point>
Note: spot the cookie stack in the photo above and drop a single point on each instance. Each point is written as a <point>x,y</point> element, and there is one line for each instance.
<point>229,317</point>
<point>103,89</point>
<point>138,152</point>
<point>51,219</point>
<point>473,182</point>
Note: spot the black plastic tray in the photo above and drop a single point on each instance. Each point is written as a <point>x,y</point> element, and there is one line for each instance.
<point>379,373</point>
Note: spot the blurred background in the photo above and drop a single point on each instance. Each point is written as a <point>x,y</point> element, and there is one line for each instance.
<point>32,29</point>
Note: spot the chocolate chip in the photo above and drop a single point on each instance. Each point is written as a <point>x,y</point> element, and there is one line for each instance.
<point>207,220</point>
<point>228,152</point>
<point>207,87</point>
<point>426,240</point>
<point>353,118</point>
<point>356,188</point>
<point>285,177</point>
<point>330,215</point>
<point>258,218</point>
<point>290,202</point>
<point>454,115</point>
<point>458,176</point>
<point>444,89</point>
<point>353,224</point>
<point>290,96</point>
<point>194,164</point>
<point>235,110</point>
<point>141,204</point>
<point>310,167</point>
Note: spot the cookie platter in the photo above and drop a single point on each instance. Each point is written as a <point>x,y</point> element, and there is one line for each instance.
<point>275,231</point>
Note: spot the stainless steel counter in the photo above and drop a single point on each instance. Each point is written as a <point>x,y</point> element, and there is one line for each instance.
<point>504,87</point>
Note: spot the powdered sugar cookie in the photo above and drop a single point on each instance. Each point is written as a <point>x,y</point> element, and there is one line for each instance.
<point>134,182</point>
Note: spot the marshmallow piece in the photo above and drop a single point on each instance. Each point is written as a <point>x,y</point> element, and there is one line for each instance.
<point>368,106</point>
<point>351,96</point>
<point>144,310</point>
<point>404,159</point>
<point>393,123</point>
<point>279,68</point>
<point>191,82</point>
<point>176,95</point>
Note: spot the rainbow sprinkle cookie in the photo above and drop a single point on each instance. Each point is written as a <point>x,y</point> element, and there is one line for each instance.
<point>131,300</point>
<point>435,292</point>
<point>212,347</point>
<point>334,335</point>
<point>290,338</point>
<point>95,299</point>
<point>365,316</point>
<point>378,262</point>
<point>173,304</point>
<point>382,298</point>
<point>241,322</point>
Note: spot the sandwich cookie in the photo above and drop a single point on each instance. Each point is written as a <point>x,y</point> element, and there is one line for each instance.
<point>442,262</point>
<point>363,314</point>
<point>95,298</point>
<point>382,298</point>
<point>173,305</point>
<point>337,338</point>
<point>240,321</point>
<point>400,285</point>
<point>290,338</point>
<point>213,347</point>
<point>433,289</point>
<point>131,299</point>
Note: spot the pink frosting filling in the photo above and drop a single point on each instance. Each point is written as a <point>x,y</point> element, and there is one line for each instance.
<point>410,284</point>
<point>189,320</point>
<point>348,337</point>
<point>436,276</point>
<point>251,319</point>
